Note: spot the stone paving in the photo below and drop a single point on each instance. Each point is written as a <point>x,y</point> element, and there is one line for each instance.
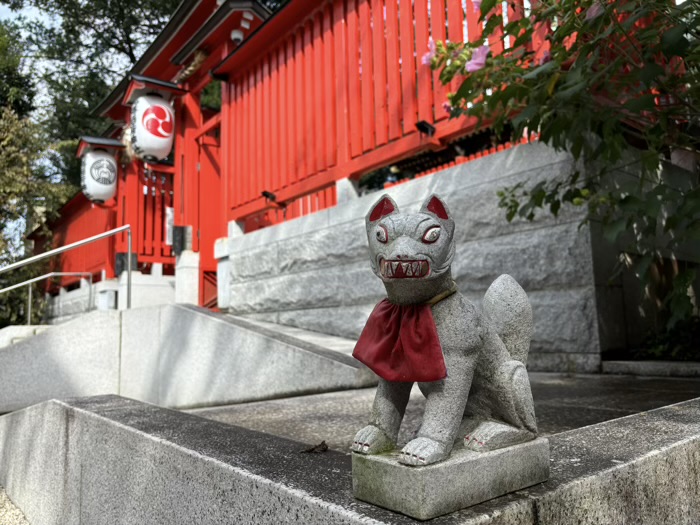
<point>9,514</point>
<point>561,403</point>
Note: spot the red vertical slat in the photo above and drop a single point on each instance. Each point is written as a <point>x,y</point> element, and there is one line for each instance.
<point>266,135</point>
<point>516,10</point>
<point>158,217</point>
<point>328,85</point>
<point>145,224</point>
<point>250,139</point>
<point>455,29</point>
<point>379,52</point>
<point>437,29</point>
<point>147,232</point>
<point>234,123</point>
<point>248,160</point>
<point>540,44</point>
<point>425,81</point>
<point>473,25</point>
<point>168,189</point>
<point>368,116</point>
<point>394,69</point>
<point>300,109</point>
<point>354,92</point>
<point>341,80</point>
<point>310,109</point>
<point>257,177</point>
<point>290,110</point>
<point>274,124</point>
<point>319,94</point>
<point>408,67</point>
<point>237,136</point>
<point>282,116</point>
<point>495,39</point>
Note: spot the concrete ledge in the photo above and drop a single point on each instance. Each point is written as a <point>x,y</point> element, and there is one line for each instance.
<point>77,358</point>
<point>653,368</point>
<point>183,356</point>
<point>110,460</point>
<point>15,333</point>
<point>427,492</point>
<point>176,356</point>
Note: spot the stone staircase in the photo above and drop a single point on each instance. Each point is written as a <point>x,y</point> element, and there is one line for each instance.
<point>175,356</point>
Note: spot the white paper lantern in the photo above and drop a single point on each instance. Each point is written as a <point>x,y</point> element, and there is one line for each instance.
<point>152,127</point>
<point>98,176</point>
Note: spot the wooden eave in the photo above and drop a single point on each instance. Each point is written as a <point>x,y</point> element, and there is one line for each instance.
<point>176,43</point>
<point>190,14</point>
<point>273,30</point>
<point>219,26</point>
<point>140,85</point>
<point>97,142</point>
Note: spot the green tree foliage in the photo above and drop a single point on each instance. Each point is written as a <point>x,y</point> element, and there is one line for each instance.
<point>27,196</point>
<point>81,50</point>
<point>615,83</point>
<point>16,87</point>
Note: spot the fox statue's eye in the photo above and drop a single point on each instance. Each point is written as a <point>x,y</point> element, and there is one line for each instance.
<point>431,235</point>
<point>382,235</point>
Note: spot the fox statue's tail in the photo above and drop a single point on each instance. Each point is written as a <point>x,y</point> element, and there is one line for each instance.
<point>507,309</point>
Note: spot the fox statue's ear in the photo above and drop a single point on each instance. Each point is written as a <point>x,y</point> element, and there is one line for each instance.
<point>433,204</point>
<point>385,206</point>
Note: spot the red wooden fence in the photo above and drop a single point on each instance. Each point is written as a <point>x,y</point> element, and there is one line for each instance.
<point>339,95</point>
<point>155,194</point>
<point>143,193</point>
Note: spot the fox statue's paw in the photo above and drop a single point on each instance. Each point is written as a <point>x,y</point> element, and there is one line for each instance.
<point>371,440</point>
<point>423,451</point>
<point>491,435</point>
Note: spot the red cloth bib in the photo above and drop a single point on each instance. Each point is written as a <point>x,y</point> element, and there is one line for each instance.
<point>400,343</point>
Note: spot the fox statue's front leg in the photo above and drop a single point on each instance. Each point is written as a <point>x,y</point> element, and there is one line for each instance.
<point>387,413</point>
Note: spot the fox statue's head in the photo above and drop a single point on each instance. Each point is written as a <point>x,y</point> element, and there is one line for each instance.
<point>410,247</point>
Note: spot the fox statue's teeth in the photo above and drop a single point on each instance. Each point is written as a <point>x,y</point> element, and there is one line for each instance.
<point>402,270</point>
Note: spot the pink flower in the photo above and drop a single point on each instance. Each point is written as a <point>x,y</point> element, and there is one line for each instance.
<point>477,5</point>
<point>428,57</point>
<point>478,60</point>
<point>594,11</point>
<point>447,107</point>
<point>546,57</point>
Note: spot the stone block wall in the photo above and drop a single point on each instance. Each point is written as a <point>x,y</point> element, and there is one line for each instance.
<point>313,272</point>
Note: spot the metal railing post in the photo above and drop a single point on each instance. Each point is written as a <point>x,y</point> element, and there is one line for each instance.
<point>128,270</point>
<point>29,304</point>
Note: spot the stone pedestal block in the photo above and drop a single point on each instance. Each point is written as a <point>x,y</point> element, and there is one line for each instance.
<point>463,480</point>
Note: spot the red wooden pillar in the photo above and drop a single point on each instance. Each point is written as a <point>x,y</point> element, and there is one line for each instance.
<point>186,198</point>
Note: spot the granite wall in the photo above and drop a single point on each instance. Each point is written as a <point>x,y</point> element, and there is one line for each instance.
<point>313,272</point>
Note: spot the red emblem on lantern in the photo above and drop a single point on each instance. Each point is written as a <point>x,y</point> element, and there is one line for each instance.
<point>158,121</point>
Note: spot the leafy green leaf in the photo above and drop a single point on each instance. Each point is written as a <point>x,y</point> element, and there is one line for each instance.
<point>674,42</point>
<point>539,70</point>
<point>612,230</point>
<point>645,102</point>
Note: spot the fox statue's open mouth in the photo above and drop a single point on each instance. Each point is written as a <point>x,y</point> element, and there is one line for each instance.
<point>401,269</point>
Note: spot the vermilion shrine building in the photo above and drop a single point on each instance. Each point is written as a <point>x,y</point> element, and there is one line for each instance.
<point>312,98</point>
<point>317,93</point>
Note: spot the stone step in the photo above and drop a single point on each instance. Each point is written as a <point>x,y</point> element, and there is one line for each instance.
<point>12,334</point>
<point>177,356</point>
<point>298,336</point>
<point>107,460</point>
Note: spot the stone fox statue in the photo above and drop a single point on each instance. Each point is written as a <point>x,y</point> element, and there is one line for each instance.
<point>469,365</point>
